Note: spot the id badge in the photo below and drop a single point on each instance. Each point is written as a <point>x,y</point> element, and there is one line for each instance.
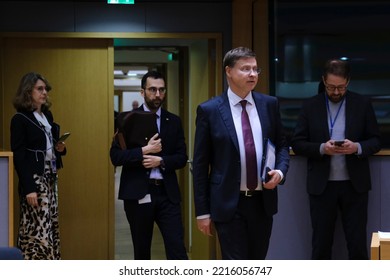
<point>53,166</point>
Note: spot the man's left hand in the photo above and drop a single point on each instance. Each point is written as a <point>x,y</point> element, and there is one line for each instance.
<point>273,181</point>
<point>150,161</point>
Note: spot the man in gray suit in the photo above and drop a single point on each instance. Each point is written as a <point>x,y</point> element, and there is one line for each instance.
<point>241,211</point>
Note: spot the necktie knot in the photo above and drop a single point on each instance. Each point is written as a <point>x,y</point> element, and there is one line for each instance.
<point>243,104</point>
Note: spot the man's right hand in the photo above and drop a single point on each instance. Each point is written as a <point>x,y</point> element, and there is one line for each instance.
<point>154,146</point>
<point>204,225</point>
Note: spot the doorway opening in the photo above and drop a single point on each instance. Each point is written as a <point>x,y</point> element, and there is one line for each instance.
<point>131,63</point>
<point>189,65</point>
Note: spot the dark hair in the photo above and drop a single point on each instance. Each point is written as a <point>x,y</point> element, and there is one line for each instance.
<point>23,100</point>
<point>233,55</point>
<point>151,74</point>
<point>338,68</point>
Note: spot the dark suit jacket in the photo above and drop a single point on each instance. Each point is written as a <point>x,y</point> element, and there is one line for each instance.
<point>26,133</point>
<point>216,164</point>
<point>312,130</point>
<point>134,181</point>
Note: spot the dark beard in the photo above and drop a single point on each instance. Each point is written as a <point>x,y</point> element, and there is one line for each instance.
<point>154,105</point>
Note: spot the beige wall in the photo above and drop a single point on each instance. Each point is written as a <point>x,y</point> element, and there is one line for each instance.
<point>202,246</point>
<point>80,72</point>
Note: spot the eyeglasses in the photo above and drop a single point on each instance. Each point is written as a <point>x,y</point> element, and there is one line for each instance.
<point>248,70</point>
<point>332,88</point>
<point>42,88</point>
<point>154,90</point>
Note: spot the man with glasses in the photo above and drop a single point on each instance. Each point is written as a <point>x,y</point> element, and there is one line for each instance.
<point>337,131</point>
<point>233,133</point>
<point>148,185</point>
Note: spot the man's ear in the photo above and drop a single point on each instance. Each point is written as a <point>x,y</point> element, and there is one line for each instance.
<point>227,70</point>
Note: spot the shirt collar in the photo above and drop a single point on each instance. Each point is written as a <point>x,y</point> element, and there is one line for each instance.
<point>234,99</point>
<point>158,113</point>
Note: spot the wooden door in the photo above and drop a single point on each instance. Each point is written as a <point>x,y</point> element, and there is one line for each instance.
<point>80,71</point>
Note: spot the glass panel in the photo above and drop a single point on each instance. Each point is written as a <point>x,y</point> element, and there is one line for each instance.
<point>307,34</point>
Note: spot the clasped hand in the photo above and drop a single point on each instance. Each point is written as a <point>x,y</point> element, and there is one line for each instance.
<point>154,146</point>
<point>349,147</point>
<point>274,180</point>
<point>60,147</point>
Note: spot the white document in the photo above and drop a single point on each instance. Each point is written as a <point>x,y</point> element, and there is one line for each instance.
<point>146,199</point>
<point>384,234</point>
<point>270,159</point>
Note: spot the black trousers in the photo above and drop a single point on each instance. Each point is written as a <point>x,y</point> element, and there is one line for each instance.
<point>339,196</point>
<point>167,216</point>
<point>247,235</point>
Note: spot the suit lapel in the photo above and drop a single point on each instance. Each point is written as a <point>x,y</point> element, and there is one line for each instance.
<point>164,122</point>
<point>263,114</point>
<point>323,119</point>
<point>349,106</point>
<point>226,115</point>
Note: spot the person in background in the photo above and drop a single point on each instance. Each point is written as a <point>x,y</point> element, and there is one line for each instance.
<point>238,203</point>
<point>148,185</point>
<point>135,105</point>
<point>337,131</point>
<point>116,113</point>
<point>37,158</point>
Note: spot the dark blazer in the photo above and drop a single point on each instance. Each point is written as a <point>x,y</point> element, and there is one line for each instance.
<point>216,164</point>
<point>134,181</point>
<point>312,130</point>
<point>26,135</point>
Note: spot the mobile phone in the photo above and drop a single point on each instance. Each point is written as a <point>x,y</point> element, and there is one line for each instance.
<point>64,137</point>
<point>339,142</point>
<point>267,176</point>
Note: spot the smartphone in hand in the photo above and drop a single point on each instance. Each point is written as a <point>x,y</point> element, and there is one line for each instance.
<point>267,176</point>
<point>339,143</point>
<point>64,137</point>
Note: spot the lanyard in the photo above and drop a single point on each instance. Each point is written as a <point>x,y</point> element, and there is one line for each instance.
<point>332,122</point>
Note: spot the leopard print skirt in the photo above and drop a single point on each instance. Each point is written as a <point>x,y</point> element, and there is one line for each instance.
<point>39,236</point>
